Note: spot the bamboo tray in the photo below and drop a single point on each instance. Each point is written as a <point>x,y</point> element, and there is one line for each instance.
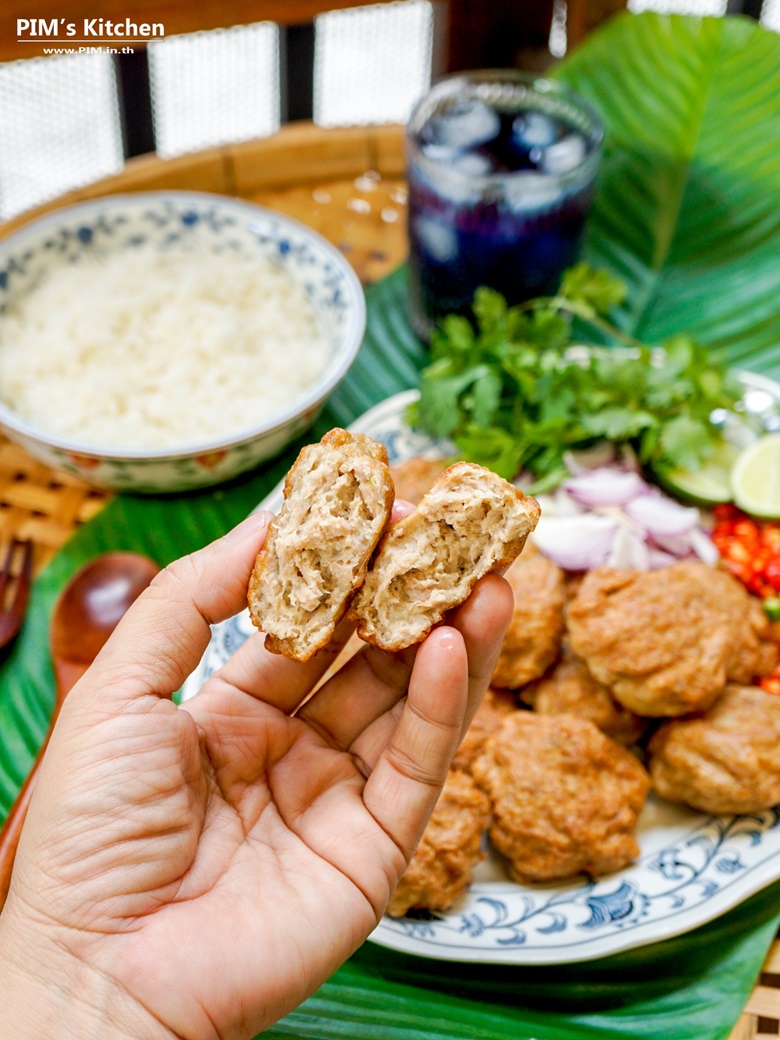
<point>349,185</point>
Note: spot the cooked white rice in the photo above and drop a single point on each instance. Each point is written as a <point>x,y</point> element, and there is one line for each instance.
<point>154,350</point>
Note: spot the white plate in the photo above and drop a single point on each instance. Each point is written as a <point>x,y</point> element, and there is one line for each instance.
<point>692,867</point>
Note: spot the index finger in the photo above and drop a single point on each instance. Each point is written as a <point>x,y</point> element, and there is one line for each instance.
<point>161,639</point>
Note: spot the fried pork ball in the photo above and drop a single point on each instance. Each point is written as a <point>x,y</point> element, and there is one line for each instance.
<point>725,760</point>
<point>495,706</point>
<point>667,641</point>
<point>570,689</point>
<point>565,798</point>
<point>442,867</point>
<point>533,639</point>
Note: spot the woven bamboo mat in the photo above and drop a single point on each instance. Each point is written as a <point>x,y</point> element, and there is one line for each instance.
<point>348,184</point>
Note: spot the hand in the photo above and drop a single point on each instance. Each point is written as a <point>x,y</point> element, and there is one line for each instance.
<point>198,871</point>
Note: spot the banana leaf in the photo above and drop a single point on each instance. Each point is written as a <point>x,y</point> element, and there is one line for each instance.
<point>687,209</point>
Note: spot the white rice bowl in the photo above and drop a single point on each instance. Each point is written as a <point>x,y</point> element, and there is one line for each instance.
<point>169,340</point>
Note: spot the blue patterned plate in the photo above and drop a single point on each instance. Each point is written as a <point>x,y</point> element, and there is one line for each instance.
<point>692,867</point>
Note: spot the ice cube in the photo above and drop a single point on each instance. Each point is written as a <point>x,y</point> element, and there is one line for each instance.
<point>472,164</point>
<point>527,192</point>
<point>565,155</point>
<point>438,153</point>
<point>534,130</point>
<point>438,240</point>
<point>466,124</point>
<point>460,180</point>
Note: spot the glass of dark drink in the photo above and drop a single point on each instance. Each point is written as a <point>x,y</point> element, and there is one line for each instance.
<point>501,170</point>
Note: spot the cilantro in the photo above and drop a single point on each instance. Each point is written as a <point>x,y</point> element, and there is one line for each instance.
<point>596,290</point>
<point>514,392</point>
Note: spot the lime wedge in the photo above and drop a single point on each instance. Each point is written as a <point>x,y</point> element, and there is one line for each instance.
<point>755,478</point>
<point>708,485</point>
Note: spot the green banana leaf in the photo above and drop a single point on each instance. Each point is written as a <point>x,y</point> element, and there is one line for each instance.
<point>687,212</point>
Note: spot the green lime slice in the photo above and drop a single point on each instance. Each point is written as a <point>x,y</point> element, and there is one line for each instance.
<point>708,485</point>
<point>755,478</point>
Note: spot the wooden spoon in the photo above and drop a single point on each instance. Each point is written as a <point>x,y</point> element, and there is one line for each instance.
<point>87,612</point>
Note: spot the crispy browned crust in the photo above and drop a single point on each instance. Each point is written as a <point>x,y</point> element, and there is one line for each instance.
<point>570,689</point>
<point>425,514</point>
<point>565,798</point>
<point>495,706</point>
<point>725,759</point>
<point>349,445</point>
<point>442,868</point>
<point>667,641</point>
<point>533,639</point>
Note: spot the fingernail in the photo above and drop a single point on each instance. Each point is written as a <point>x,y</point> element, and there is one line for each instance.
<point>251,526</point>
<point>447,638</point>
<point>401,509</point>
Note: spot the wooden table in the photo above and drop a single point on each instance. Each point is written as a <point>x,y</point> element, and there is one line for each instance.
<point>349,185</point>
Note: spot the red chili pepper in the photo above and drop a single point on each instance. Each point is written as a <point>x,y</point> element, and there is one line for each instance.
<point>772,572</point>
<point>749,549</point>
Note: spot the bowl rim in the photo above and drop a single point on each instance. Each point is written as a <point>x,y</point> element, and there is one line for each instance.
<point>310,400</point>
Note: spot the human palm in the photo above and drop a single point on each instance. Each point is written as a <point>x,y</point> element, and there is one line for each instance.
<point>216,863</point>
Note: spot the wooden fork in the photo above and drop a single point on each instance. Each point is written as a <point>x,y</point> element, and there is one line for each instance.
<point>15,584</point>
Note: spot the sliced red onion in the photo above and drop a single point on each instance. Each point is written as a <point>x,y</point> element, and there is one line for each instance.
<point>657,558</point>
<point>576,543</point>
<point>546,503</point>
<point>678,545</point>
<point>662,516</point>
<point>565,504</point>
<point>605,487</point>
<point>608,515</point>
<point>629,550</point>
<point>559,503</point>
<point>578,462</point>
<point>703,546</point>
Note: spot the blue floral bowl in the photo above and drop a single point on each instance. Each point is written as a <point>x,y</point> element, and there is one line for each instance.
<point>190,220</point>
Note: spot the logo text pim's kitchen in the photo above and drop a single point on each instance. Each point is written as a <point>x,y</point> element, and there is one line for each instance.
<point>88,28</point>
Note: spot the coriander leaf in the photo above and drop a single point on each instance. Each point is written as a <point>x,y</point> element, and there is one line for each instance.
<point>596,291</point>
<point>618,423</point>
<point>547,459</point>
<point>438,407</point>
<point>558,406</point>
<point>647,445</point>
<point>548,330</point>
<point>511,392</point>
<point>485,397</point>
<point>547,483</point>
<point>710,383</point>
<point>492,447</point>
<point>680,353</point>
<point>626,377</point>
<point>490,308</point>
<point>685,441</point>
<point>454,335</point>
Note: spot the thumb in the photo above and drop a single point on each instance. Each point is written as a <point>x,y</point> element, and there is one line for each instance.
<point>164,634</point>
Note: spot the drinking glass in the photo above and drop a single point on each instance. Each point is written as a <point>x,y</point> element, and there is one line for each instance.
<point>501,170</point>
